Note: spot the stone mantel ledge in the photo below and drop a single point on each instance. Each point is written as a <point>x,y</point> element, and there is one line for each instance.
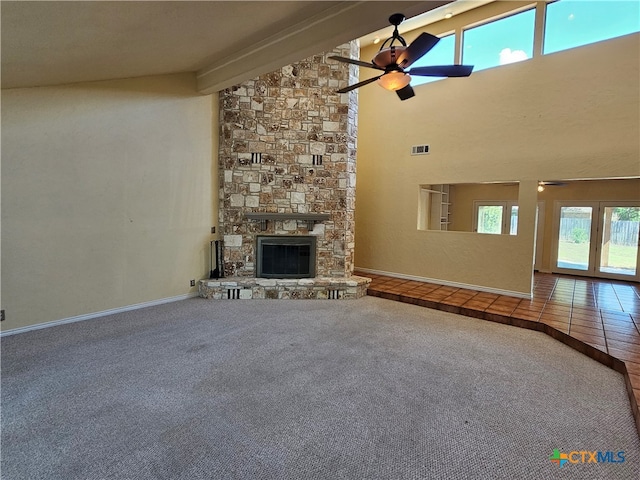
<point>286,216</point>
<point>284,288</point>
<point>310,218</point>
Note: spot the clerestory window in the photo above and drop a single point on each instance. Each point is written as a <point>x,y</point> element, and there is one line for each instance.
<point>571,24</point>
<point>506,40</point>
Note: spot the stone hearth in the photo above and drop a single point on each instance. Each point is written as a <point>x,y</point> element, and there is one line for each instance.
<point>287,162</point>
<point>295,289</point>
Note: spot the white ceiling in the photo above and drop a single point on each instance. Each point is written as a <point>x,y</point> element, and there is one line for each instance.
<point>225,42</point>
<point>453,8</point>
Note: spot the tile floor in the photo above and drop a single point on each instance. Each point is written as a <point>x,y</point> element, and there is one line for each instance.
<point>600,318</point>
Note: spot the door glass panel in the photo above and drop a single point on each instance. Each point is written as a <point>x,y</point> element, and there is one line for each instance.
<point>574,238</point>
<point>619,249</point>
<point>490,219</point>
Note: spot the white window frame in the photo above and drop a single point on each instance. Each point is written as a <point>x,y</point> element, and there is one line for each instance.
<point>507,207</point>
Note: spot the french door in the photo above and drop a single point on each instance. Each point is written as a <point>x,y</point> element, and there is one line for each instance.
<point>598,239</point>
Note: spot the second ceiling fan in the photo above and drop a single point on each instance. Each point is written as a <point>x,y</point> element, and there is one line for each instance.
<point>394,59</point>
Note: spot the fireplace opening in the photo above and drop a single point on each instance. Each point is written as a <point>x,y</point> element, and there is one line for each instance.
<point>282,256</point>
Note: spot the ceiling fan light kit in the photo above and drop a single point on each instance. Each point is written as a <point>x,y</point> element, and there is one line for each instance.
<point>393,59</point>
<point>394,80</point>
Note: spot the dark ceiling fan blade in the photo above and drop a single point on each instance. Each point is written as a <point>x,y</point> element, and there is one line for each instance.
<point>356,62</point>
<point>442,71</point>
<point>553,184</point>
<point>405,92</point>
<point>359,84</point>
<point>417,49</point>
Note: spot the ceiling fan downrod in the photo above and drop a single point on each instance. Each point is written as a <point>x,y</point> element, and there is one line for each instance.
<point>395,20</point>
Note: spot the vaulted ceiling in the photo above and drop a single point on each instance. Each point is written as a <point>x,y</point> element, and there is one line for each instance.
<point>225,42</point>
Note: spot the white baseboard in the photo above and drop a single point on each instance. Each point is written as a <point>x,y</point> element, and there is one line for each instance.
<point>480,288</point>
<point>90,316</point>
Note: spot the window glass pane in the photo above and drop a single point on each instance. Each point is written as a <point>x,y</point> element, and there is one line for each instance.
<point>513,228</point>
<point>441,54</point>
<point>572,23</point>
<point>507,40</point>
<point>490,219</point>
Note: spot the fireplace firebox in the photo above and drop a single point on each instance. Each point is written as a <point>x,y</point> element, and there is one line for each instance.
<point>285,256</point>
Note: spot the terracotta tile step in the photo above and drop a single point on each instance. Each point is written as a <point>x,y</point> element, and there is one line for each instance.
<point>598,332</point>
<point>630,337</point>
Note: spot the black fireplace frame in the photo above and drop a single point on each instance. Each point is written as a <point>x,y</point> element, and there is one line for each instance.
<point>303,240</point>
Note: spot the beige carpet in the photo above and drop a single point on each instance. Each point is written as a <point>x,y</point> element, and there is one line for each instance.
<point>299,389</point>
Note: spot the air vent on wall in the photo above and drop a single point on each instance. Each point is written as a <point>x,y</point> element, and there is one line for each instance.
<point>420,150</point>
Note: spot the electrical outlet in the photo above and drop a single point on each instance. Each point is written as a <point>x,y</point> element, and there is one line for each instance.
<point>1,315</point>
<point>193,283</point>
<point>213,229</point>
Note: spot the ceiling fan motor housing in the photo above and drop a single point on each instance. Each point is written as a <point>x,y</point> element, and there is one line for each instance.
<point>388,56</point>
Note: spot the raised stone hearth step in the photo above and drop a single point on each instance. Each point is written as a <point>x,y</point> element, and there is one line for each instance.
<point>233,288</point>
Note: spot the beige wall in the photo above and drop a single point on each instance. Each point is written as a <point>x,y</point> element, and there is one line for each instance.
<point>463,196</point>
<point>573,114</point>
<point>106,195</point>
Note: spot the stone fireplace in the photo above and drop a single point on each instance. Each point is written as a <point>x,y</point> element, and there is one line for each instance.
<point>287,162</point>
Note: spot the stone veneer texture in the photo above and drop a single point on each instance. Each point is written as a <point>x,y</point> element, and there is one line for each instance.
<point>288,145</point>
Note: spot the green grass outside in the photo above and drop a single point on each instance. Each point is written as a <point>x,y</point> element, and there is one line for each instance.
<point>620,256</point>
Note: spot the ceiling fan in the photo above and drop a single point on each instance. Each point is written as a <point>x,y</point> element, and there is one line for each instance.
<point>542,185</point>
<point>394,59</point>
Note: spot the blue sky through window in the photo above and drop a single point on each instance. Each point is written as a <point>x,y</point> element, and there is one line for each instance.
<point>568,24</point>
<point>572,23</point>
<point>503,41</point>
<point>441,54</point>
